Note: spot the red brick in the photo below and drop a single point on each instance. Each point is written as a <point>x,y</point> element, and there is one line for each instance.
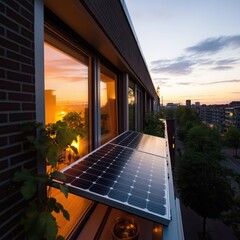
<point>13,4</point>
<point>27,14</point>
<point>3,119</point>
<point>29,106</point>
<point>7,152</point>
<point>18,57</point>
<point>28,69</point>
<point>23,158</point>
<point>29,5</point>
<point>27,52</point>
<point>9,23</point>
<point>16,196</point>
<point>4,42</point>
<point>16,138</point>
<point>14,225</point>
<point>3,163</point>
<point>2,8</point>
<point>2,73</point>
<point>19,77</point>
<point>26,33</point>
<point>18,38</point>
<point>18,96</point>
<point>3,96</point>
<point>28,88</point>
<point>10,128</point>
<point>23,116</point>
<point>2,31</point>
<point>8,85</point>
<point>9,64</point>
<point>18,18</point>
<point>7,106</point>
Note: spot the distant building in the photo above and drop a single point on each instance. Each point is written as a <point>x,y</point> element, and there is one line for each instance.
<point>173,105</point>
<point>221,116</point>
<point>197,104</point>
<point>188,102</point>
<point>232,117</point>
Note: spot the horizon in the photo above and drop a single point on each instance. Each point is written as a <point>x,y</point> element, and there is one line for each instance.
<point>192,49</point>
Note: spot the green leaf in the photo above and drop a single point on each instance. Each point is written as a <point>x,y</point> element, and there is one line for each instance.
<point>22,175</point>
<point>32,229</point>
<point>64,211</point>
<point>49,224</point>
<point>74,149</point>
<point>51,204</point>
<point>58,175</point>
<point>59,237</point>
<point>28,189</point>
<point>64,190</point>
<point>52,155</point>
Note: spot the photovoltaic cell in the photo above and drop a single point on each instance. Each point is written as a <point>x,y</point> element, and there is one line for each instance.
<point>119,174</point>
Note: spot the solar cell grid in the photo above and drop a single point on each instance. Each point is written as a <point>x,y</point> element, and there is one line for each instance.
<point>123,178</point>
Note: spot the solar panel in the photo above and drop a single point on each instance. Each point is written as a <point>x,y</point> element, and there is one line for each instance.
<point>142,142</point>
<point>123,177</point>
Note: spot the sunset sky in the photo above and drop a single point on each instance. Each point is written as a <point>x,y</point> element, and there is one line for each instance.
<point>192,48</point>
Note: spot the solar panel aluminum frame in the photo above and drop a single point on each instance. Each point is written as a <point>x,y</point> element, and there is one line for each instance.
<point>105,199</point>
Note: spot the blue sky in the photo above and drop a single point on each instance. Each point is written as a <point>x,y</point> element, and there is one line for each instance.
<point>192,48</point>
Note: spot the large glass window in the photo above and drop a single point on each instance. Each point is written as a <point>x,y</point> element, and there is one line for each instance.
<point>66,94</point>
<point>108,105</point>
<point>66,99</point>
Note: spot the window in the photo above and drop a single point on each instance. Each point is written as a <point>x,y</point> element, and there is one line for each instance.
<point>108,105</point>
<point>66,98</point>
<point>131,105</point>
<point>66,94</point>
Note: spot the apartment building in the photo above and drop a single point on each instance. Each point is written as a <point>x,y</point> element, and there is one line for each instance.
<point>221,116</point>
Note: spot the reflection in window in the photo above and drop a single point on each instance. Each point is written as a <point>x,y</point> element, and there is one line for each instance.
<point>108,105</point>
<point>131,106</point>
<point>66,99</point>
<point>66,95</point>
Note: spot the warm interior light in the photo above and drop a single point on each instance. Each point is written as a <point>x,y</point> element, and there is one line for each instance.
<point>230,114</point>
<point>157,230</point>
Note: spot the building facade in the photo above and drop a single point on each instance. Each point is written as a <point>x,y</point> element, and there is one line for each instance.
<point>57,59</point>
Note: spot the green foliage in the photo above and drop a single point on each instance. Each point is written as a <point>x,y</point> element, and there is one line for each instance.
<point>170,113</point>
<point>50,142</point>
<point>153,125</point>
<point>186,119</point>
<point>201,179</point>
<point>202,182</point>
<point>232,217</point>
<point>204,139</point>
<point>76,122</point>
<point>232,138</point>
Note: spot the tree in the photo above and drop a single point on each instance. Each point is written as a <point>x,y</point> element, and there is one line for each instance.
<point>186,118</point>
<point>232,139</point>
<point>201,180</point>
<point>153,125</point>
<point>232,217</point>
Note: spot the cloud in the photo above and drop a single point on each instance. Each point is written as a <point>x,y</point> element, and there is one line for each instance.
<point>194,57</point>
<point>214,45</point>
<point>224,81</point>
<point>184,83</point>
<point>178,66</point>
<point>222,68</point>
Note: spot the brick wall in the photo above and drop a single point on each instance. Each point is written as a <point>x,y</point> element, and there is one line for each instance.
<point>17,105</point>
